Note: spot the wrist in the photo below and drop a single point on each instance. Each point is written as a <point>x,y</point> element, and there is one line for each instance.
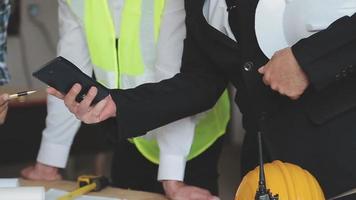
<point>171,186</point>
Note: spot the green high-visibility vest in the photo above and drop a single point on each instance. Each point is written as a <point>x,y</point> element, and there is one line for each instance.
<point>118,61</point>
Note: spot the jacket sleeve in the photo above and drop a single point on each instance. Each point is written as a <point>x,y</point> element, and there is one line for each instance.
<point>195,89</point>
<point>329,55</point>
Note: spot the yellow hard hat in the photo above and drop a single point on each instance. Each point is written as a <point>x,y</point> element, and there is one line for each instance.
<point>287,180</point>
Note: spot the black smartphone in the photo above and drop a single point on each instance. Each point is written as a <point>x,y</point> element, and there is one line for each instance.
<point>61,74</point>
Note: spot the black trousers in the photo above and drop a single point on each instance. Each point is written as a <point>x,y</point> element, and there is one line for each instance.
<point>130,170</point>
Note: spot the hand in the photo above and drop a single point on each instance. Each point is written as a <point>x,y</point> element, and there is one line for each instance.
<point>103,110</point>
<point>284,75</point>
<point>177,190</point>
<point>4,99</point>
<point>41,172</point>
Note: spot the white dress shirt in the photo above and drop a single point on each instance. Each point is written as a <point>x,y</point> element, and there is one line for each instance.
<point>174,139</point>
<point>216,15</point>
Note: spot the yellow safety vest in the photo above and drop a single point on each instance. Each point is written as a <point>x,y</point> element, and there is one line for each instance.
<point>118,61</point>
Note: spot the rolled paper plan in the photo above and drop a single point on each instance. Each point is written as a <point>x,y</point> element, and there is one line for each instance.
<point>22,193</point>
<point>9,182</point>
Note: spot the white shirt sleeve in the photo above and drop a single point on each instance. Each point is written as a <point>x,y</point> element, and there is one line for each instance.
<point>61,125</point>
<point>174,139</point>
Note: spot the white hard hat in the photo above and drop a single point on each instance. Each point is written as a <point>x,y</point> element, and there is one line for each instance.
<point>281,23</point>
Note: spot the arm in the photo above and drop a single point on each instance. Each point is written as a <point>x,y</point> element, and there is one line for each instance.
<point>327,53</point>
<point>61,125</point>
<point>195,89</point>
<point>174,139</point>
<point>319,60</point>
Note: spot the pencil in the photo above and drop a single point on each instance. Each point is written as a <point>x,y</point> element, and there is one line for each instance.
<point>19,94</point>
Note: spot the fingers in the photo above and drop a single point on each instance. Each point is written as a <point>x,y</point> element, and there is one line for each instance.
<point>83,110</point>
<point>192,193</point>
<point>3,107</point>
<point>201,194</point>
<point>69,98</point>
<point>84,105</point>
<point>99,107</point>
<point>93,116</point>
<point>3,99</point>
<point>261,70</point>
<point>276,81</point>
<point>54,92</point>
<point>89,114</point>
<point>3,116</point>
<point>294,96</point>
<point>266,79</point>
<point>41,172</point>
<point>200,191</point>
<point>26,173</point>
<point>109,110</point>
<point>89,97</point>
<point>266,75</point>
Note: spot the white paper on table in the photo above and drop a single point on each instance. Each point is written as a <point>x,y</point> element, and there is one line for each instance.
<point>22,193</point>
<point>53,194</point>
<point>9,182</point>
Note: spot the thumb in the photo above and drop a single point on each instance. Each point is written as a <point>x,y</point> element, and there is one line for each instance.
<point>214,198</point>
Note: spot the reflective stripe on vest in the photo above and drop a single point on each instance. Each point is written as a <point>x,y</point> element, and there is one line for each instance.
<point>134,58</point>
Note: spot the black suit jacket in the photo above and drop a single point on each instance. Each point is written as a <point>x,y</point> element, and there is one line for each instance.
<point>211,60</point>
<point>325,115</point>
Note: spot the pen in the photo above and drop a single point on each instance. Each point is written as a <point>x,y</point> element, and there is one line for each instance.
<point>19,94</point>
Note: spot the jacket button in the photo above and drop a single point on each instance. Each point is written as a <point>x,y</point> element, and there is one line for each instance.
<point>248,66</point>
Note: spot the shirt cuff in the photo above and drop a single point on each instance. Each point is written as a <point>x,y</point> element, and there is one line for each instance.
<point>171,167</point>
<point>55,155</point>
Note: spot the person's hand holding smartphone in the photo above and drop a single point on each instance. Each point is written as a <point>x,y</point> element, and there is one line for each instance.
<point>86,98</point>
<point>61,74</point>
<point>99,112</point>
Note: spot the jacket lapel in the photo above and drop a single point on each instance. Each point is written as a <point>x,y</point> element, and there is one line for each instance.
<point>195,9</point>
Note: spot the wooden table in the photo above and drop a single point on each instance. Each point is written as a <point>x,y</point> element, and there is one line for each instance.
<point>107,192</point>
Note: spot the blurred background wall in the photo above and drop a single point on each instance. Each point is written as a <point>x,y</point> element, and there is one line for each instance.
<point>34,43</point>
